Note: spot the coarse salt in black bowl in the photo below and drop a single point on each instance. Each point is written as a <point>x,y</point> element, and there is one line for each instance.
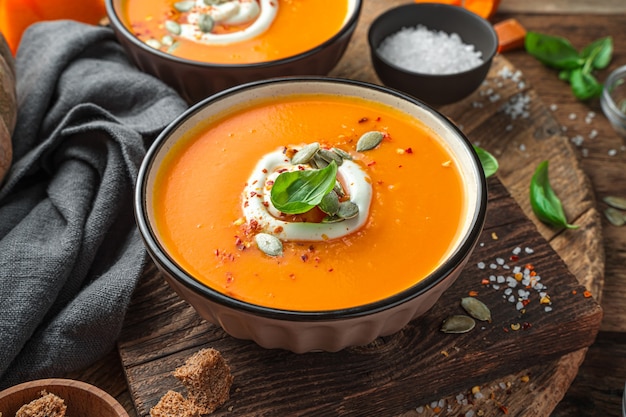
<point>438,53</point>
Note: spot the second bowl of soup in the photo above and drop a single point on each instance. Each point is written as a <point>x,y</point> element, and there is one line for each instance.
<point>311,213</point>
<point>200,47</point>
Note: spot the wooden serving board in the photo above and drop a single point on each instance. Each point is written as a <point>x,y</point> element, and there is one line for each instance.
<point>394,374</point>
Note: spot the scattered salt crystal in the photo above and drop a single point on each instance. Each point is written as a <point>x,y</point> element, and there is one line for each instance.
<point>493,266</point>
<point>419,409</point>
<point>521,85</point>
<point>584,152</point>
<point>577,140</point>
<point>522,147</point>
<point>501,279</point>
<point>547,309</point>
<point>516,251</point>
<point>495,287</point>
<point>519,305</point>
<point>470,413</point>
<point>500,261</point>
<point>593,134</point>
<point>434,404</point>
<point>480,265</point>
<point>508,128</point>
<point>479,395</point>
<point>612,152</point>
<point>508,291</point>
<point>424,51</point>
<point>553,107</point>
<point>517,269</point>
<point>572,116</point>
<point>529,250</point>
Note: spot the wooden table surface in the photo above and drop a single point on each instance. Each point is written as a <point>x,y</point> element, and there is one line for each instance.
<point>599,383</point>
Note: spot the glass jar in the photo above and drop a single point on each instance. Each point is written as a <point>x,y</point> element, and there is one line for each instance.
<point>613,99</point>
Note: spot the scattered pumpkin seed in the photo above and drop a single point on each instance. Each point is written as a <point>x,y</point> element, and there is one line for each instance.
<point>173,27</point>
<point>205,23</point>
<point>343,154</point>
<point>269,244</point>
<point>348,210</point>
<point>330,156</point>
<point>215,2</point>
<point>458,324</point>
<point>476,308</point>
<point>173,47</point>
<point>305,153</point>
<point>369,141</point>
<point>153,43</point>
<point>184,6</point>
<point>332,219</point>
<point>616,202</point>
<point>330,204</point>
<point>616,217</point>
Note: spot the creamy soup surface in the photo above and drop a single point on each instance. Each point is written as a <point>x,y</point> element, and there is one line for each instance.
<point>412,219</point>
<point>235,31</point>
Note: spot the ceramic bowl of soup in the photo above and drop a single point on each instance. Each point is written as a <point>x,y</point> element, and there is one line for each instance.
<point>310,213</point>
<point>200,47</point>
<point>438,53</point>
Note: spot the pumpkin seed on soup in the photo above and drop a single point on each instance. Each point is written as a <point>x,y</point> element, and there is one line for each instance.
<point>269,244</point>
<point>205,23</point>
<point>369,141</point>
<point>184,6</point>
<point>330,203</point>
<point>173,27</point>
<point>305,154</point>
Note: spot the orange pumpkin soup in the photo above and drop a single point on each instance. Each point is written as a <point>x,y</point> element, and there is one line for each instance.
<point>411,220</point>
<point>235,31</point>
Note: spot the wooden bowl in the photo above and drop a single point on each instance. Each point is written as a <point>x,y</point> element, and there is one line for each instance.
<point>81,399</point>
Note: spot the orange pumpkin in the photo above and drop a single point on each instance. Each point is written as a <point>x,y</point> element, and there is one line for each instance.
<point>8,106</point>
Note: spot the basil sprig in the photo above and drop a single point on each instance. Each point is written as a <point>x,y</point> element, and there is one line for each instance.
<point>543,200</point>
<point>488,161</point>
<point>575,67</point>
<point>296,192</point>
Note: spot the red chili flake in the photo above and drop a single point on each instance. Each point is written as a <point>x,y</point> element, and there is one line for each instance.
<point>301,168</point>
<point>264,170</point>
<point>304,257</point>
<point>371,163</point>
<point>505,330</point>
<point>246,203</point>
<point>530,267</point>
<point>587,294</point>
<point>292,276</point>
<point>229,278</point>
<point>574,292</point>
<point>363,119</point>
<point>473,293</point>
<point>331,269</point>
<point>526,325</point>
<point>270,183</point>
<point>399,166</point>
<point>278,229</point>
<point>253,193</point>
<point>378,119</point>
<point>254,182</point>
<point>217,252</point>
<point>280,171</point>
<point>485,281</point>
<point>525,302</point>
<point>533,273</point>
<point>514,258</point>
<point>408,150</point>
<point>379,182</point>
<point>266,204</point>
<point>504,409</point>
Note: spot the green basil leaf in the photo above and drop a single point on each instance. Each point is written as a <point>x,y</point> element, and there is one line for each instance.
<point>584,85</point>
<point>553,51</point>
<point>297,192</point>
<point>544,202</point>
<point>599,52</point>
<point>487,160</point>
<point>565,75</point>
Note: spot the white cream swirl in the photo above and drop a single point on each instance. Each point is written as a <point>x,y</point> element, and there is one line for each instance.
<point>234,12</point>
<point>257,204</point>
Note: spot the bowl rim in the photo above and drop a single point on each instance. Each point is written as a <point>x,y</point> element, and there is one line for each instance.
<point>455,259</point>
<point>435,6</point>
<point>69,383</point>
<point>118,25</point>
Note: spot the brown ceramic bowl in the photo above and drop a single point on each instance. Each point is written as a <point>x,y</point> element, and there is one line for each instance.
<point>81,399</point>
<point>196,80</point>
<point>435,89</point>
<point>326,330</point>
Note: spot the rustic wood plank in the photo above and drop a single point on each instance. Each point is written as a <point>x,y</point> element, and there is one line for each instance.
<point>394,373</point>
<point>563,6</point>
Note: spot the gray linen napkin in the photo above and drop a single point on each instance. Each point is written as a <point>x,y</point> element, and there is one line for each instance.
<point>70,255</point>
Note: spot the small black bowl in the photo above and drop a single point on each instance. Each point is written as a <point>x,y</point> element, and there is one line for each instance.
<point>435,89</point>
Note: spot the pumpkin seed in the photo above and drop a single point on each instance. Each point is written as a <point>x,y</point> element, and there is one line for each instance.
<point>343,154</point>
<point>332,219</point>
<point>215,2</point>
<point>339,189</point>
<point>616,202</point>
<point>319,161</point>
<point>305,153</point>
<point>476,308</point>
<point>369,141</point>
<point>184,6</point>
<point>205,23</point>
<point>153,43</point>
<point>458,324</point>
<point>616,217</point>
<point>330,203</point>
<point>330,156</point>
<point>173,27</point>
<point>347,210</point>
<point>173,47</point>
<point>167,40</point>
<point>269,244</point>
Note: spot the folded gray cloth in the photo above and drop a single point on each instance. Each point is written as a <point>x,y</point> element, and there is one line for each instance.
<point>70,254</point>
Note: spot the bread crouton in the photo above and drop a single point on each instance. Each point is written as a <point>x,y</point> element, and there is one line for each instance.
<point>173,404</point>
<point>48,405</point>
